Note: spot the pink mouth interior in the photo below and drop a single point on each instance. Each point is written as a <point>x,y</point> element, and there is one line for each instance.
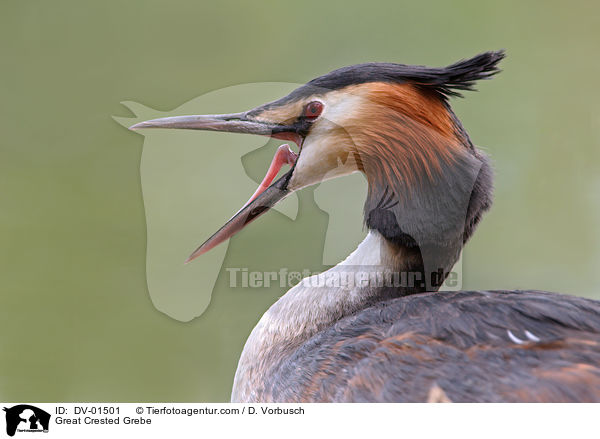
<point>284,155</point>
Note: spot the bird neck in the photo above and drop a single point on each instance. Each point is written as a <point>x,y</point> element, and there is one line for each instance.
<point>377,270</point>
<point>413,242</point>
<point>432,218</point>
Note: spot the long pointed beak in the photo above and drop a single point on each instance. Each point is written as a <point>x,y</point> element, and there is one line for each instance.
<point>232,123</point>
<point>267,194</point>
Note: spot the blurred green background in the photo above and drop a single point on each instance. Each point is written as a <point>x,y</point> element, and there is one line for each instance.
<point>76,320</point>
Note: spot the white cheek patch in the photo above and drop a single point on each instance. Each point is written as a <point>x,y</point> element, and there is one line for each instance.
<point>340,106</point>
<point>325,152</point>
<point>321,161</point>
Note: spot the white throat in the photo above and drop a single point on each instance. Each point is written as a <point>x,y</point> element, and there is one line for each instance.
<point>311,306</point>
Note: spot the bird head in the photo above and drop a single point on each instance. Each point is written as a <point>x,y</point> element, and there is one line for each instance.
<point>390,121</point>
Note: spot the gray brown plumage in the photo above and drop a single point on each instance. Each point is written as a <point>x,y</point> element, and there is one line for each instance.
<point>459,342</point>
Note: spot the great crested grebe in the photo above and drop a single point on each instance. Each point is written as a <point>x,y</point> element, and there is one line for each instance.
<point>340,336</point>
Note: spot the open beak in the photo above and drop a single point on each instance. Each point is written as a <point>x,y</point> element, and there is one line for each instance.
<point>268,193</point>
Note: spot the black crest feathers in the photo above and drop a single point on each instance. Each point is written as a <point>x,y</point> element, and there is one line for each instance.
<point>461,75</point>
<point>445,81</point>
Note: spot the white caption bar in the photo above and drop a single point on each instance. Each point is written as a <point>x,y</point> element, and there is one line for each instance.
<point>150,420</point>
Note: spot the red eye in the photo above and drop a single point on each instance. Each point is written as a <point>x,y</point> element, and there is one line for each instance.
<point>313,110</point>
